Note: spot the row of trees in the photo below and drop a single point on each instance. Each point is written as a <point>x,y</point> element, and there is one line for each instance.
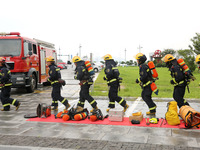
<point>188,55</point>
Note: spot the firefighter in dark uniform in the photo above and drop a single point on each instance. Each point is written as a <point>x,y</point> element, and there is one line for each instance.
<point>5,86</point>
<point>145,81</point>
<point>178,79</point>
<point>82,74</point>
<point>56,83</point>
<point>113,81</point>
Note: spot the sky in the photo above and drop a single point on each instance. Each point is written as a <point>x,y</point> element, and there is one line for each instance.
<point>104,26</point>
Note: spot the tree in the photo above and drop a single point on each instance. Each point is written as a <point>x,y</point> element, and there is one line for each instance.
<point>168,51</point>
<point>122,62</point>
<point>196,44</point>
<point>135,63</point>
<point>188,56</point>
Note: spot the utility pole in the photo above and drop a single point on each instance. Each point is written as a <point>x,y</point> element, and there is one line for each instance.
<point>140,48</point>
<point>125,54</point>
<point>80,50</point>
<point>59,52</point>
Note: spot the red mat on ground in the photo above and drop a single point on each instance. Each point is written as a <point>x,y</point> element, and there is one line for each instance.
<point>107,122</point>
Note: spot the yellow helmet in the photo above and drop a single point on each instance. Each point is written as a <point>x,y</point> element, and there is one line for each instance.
<point>107,57</point>
<point>2,59</point>
<point>198,59</point>
<point>138,56</point>
<point>50,58</point>
<point>76,59</point>
<point>168,58</point>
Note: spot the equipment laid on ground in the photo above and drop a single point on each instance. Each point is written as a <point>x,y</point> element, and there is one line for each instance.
<point>116,114</point>
<point>136,116</point>
<point>190,116</point>
<point>154,120</point>
<point>60,114</point>
<point>96,115</point>
<point>80,116</point>
<point>172,115</point>
<point>147,123</point>
<point>135,121</point>
<point>43,110</point>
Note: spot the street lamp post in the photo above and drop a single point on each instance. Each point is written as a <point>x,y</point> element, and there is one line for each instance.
<point>125,54</point>
<point>140,48</point>
<point>80,50</point>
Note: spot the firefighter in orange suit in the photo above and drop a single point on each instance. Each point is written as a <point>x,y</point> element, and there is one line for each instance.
<point>5,86</point>
<point>178,79</point>
<point>145,81</point>
<point>113,81</point>
<point>56,83</point>
<point>86,81</point>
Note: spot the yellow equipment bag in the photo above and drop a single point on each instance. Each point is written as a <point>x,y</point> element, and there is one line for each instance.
<point>171,115</point>
<point>190,116</point>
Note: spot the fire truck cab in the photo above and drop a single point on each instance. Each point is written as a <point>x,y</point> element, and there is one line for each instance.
<point>26,59</point>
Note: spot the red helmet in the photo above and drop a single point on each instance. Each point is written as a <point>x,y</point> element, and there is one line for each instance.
<point>2,59</point>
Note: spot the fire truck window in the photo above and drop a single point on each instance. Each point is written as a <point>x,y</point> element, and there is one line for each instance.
<point>25,49</point>
<point>34,49</point>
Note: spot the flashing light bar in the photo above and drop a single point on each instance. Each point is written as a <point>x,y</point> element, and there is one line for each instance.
<point>11,33</point>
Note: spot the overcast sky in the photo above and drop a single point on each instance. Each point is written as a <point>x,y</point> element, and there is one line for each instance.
<point>104,26</point>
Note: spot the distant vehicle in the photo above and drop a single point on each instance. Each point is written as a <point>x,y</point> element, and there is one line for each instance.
<point>97,67</point>
<point>69,62</point>
<point>63,64</point>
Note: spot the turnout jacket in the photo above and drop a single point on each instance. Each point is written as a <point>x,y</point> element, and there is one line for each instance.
<point>5,76</point>
<point>145,77</point>
<point>54,74</point>
<point>177,75</point>
<point>111,72</point>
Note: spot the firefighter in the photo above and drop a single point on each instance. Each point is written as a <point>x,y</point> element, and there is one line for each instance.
<point>113,81</point>
<point>82,74</point>
<point>198,61</point>
<point>178,79</point>
<point>5,86</point>
<point>56,83</point>
<point>145,81</point>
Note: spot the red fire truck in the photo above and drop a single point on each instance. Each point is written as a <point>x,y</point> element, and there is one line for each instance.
<point>26,58</point>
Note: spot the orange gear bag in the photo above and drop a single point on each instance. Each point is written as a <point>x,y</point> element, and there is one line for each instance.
<point>190,116</point>
<point>153,69</point>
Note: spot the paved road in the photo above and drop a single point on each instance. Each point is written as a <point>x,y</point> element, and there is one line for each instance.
<point>17,133</point>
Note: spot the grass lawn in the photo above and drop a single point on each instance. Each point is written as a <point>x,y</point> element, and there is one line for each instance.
<point>130,89</point>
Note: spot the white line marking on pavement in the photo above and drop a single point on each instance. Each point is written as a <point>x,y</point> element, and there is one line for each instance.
<point>132,107</point>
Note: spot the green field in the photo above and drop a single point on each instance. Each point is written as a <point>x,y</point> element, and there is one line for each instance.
<point>130,89</point>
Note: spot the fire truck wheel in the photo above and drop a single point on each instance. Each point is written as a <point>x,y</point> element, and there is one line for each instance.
<point>33,84</point>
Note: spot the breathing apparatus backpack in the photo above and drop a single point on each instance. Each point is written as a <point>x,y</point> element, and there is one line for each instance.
<point>190,116</point>
<point>89,68</point>
<point>43,110</point>
<point>154,75</point>
<point>153,70</point>
<point>96,115</point>
<point>185,69</point>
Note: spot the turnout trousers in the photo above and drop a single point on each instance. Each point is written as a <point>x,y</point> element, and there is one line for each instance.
<point>5,98</point>
<point>178,95</point>
<point>113,96</point>
<point>85,95</point>
<point>56,96</point>
<point>146,96</point>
